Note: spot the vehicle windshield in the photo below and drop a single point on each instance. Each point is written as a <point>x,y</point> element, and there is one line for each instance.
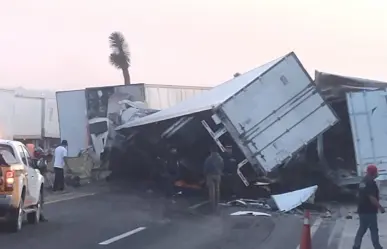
<point>7,155</point>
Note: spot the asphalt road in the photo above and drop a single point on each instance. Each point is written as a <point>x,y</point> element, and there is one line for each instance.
<point>118,220</point>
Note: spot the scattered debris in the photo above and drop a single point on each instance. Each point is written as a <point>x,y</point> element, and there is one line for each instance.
<point>262,183</point>
<point>266,153</point>
<point>260,203</point>
<point>253,213</point>
<point>327,214</point>
<point>236,203</point>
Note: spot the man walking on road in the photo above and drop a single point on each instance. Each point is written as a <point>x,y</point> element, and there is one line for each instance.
<point>368,207</point>
<point>59,163</point>
<point>213,169</point>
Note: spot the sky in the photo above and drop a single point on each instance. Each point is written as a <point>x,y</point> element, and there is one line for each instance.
<point>63,44</point>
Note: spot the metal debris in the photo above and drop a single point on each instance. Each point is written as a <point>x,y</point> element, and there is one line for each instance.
<point>253,213</point>
<point>288,201</point>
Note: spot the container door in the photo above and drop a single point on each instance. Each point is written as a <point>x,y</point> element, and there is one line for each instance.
<point>368,117</point>
<point>72,118</point>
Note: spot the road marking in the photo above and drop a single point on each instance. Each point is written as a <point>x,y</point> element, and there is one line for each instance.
<point>336,233</point>
<point>69,198</point>
<point>198,205</point>
<point>314,228</point>
<point>124,235</point>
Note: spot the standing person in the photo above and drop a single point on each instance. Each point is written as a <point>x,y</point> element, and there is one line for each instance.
<point>170,172</point>
<point>230,168</point>
<point>368,207</point>
<point>59,163</point>
<point>213,169</point>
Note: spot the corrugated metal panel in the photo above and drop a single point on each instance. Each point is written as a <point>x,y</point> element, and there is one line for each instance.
<point>205,100</point>
<point>162,97</point>
<point>28,118</point>
<point>277,114</point>
<point>51,124</point>
<point>72,120</point>
<point>6,113</point>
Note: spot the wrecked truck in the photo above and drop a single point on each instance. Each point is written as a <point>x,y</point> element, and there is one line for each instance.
<point>267,115</point>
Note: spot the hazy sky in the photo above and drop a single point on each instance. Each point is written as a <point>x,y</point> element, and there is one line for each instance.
<point>62,44</point>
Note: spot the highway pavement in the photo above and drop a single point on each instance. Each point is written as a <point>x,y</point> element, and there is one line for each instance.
<point>121,219</point>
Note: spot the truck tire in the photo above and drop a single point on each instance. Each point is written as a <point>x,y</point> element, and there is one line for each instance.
<point>34,217</point>
<point>15,222</point>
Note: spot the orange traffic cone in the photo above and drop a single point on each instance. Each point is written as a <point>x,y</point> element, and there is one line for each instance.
<point>306,240</point>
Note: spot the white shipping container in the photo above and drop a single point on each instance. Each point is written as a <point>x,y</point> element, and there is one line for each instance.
<point>6,113</point>
<point>72,110</point>
<point>72,119</point>
<point>51,123</point>
<point>28,118</point>
<point>164,96</point>
<point>368,117</point>
<point>277,114</point>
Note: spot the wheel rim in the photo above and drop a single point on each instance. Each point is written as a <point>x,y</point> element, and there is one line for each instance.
<point>20,218</point>
<point>38,210</point>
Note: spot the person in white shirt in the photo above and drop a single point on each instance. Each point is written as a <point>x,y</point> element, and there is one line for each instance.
<point>59,163</point>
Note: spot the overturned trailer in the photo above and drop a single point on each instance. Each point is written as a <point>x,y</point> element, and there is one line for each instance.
<point>267,114</point>
<point>360,138</point>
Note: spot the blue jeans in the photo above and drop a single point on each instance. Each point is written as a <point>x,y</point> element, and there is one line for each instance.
<point>368,221</point>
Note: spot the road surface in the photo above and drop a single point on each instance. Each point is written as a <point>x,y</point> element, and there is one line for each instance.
<point>121,220</point>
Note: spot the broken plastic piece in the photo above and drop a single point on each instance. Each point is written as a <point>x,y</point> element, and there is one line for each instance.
<point>288,201</point>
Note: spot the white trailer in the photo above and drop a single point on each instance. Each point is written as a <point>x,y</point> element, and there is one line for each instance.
<point>6,113</point>
<point>28,117</point>
<point>275,115</point>
<point>360,138</point>
<point>72,110</point>
<point>73,123</point>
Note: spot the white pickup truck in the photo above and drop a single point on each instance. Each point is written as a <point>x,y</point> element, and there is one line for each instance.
<point>21,186</point>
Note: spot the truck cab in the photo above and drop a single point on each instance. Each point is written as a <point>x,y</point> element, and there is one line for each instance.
<point>21,186</point>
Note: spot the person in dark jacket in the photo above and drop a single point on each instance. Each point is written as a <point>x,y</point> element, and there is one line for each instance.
<point>368,207</point>
<point>213,170</point>
<point>170,172</point>
<point>230,170</point>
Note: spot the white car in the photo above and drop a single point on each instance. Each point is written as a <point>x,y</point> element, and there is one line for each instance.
<point>21,186</point>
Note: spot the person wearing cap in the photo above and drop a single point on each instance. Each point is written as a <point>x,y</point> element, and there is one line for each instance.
<point>59,162</point>
<point>368,207</point>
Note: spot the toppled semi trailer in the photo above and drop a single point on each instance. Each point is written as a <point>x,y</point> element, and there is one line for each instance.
<point>268,113</point>
<point>274,116</point>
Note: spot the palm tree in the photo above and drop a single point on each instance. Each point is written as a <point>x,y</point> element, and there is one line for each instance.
<point>120,57</point>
